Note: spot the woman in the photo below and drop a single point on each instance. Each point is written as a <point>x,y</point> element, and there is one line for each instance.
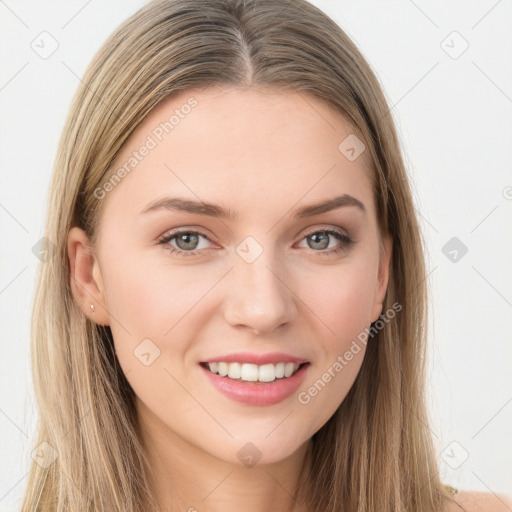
<point>234,314</point>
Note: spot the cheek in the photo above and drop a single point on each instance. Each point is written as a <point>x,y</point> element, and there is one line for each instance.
<point>340,303</point>
<point>342,298</point>
<point>156,302</point>
<point>149,307</point>
<point>150,299</point>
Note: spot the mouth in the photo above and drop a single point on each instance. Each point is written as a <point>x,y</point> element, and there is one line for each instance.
<point>255,385</point>
<point>253,373</point>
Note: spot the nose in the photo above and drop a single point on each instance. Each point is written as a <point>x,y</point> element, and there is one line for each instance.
<point>260,296</point>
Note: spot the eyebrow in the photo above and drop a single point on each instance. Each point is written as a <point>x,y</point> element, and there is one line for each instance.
<point>214,210</point>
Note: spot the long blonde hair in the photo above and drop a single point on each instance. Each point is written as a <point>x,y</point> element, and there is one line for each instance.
<point>376,452</point>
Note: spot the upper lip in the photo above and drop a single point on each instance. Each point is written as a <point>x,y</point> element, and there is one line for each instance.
<point>258,359</point>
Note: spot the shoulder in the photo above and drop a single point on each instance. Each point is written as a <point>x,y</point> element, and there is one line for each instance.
<point>476,501</point>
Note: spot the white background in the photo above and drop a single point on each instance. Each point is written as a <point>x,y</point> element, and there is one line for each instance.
<point>454,119</point>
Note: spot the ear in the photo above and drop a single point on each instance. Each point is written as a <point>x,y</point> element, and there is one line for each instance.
<point>85,277</point>
<point>383,276</point>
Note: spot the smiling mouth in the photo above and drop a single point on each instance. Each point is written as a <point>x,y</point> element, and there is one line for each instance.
<point>248,372</point>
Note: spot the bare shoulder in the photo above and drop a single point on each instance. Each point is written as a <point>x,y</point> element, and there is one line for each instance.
<point>476,501</point>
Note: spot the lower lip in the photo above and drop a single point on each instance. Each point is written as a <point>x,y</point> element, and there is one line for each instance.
<point>258,393</point>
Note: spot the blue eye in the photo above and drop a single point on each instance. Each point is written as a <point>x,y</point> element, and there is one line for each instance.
<point>190,240</point>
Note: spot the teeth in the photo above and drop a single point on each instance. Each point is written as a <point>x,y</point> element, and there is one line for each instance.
<point>223,369</point>
<point>253,372</point>
<point>289,369</point>
<point>267,373</point>
<point>234,370</point>
<point>249,372</point>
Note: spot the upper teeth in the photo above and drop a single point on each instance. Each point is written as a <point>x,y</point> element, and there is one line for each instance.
<point>253,372</point>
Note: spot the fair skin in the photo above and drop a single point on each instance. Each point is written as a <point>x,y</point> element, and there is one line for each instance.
<point>476,501</point>
<point>264,155</point>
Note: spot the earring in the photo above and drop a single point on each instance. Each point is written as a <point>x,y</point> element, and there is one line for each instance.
<point>92,308</point>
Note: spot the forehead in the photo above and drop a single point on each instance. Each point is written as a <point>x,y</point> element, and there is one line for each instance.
<point>242,146</point>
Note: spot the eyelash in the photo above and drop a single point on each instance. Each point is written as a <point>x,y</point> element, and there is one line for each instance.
<point>346,242</point>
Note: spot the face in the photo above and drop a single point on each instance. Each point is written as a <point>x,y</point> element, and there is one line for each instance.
<point>257,277</point>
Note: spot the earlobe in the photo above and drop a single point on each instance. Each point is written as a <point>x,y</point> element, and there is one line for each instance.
<point>85,277</point>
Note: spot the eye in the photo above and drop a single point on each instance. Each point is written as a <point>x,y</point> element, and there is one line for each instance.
<point>185,241</point>
<point>319,239</point>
